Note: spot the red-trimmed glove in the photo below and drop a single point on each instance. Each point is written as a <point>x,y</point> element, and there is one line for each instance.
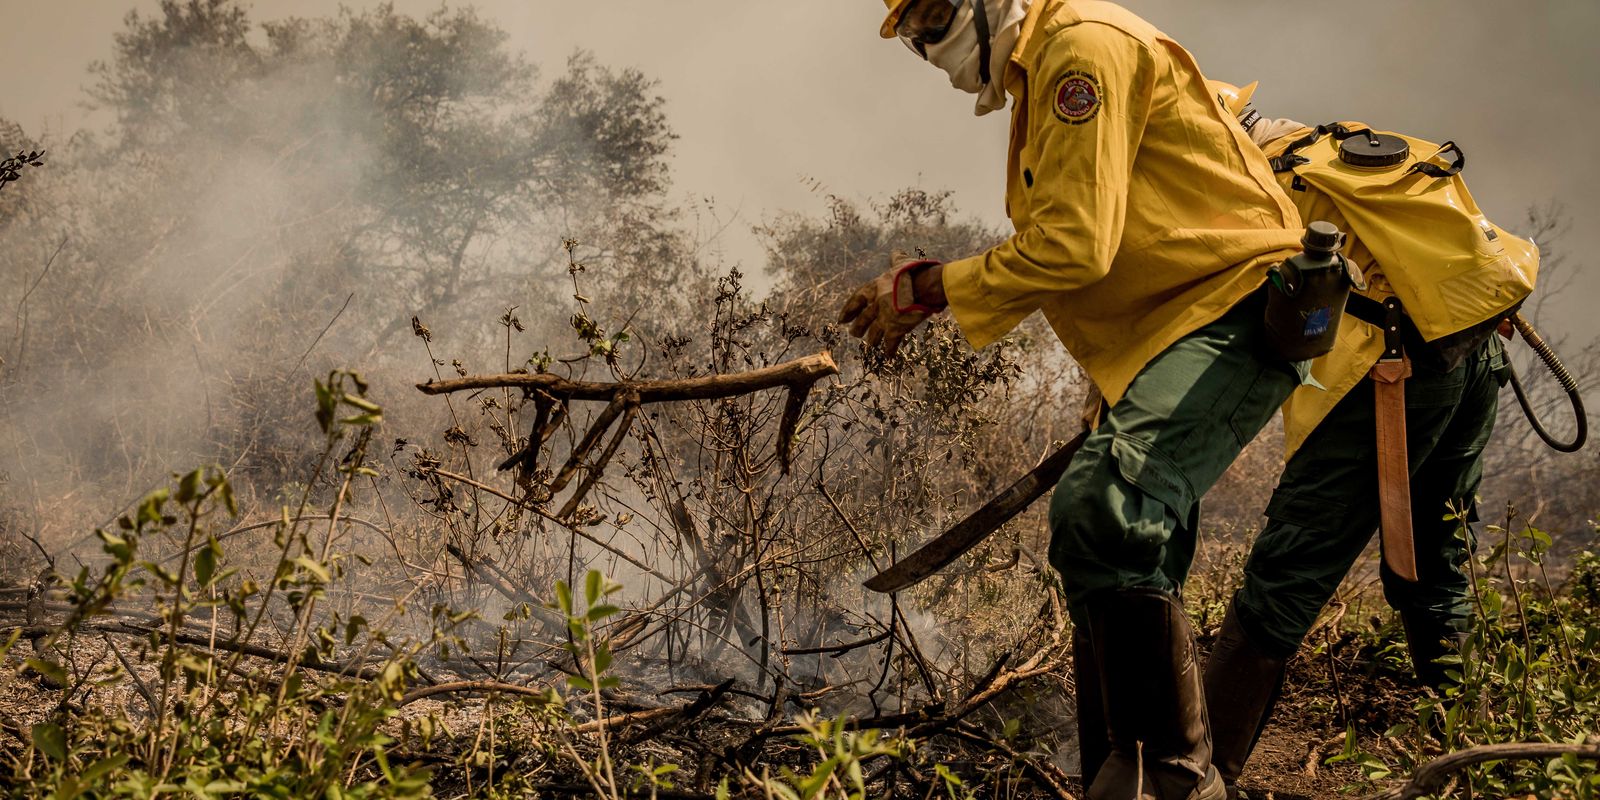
<point>886,309</point>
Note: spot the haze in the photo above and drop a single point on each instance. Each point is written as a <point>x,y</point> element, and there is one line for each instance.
<point>779,103</point>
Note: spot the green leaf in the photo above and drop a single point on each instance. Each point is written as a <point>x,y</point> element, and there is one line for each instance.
<point>167,576</point>
<point>189,486</point>
<point>310,564</point>
<point>602,611</point>
<point>150,507</point>
<point>205,561</point>
<point>353,626</point>
<point>116,546</point>
<point>51,740</point>
<point>818,780</point>
<point>591,588</point>
<point>362,403</point>
<point>326,404</point>
<point>580,683</point>
<point>564,597</point>
<point>93,772</point>
<point>225,491</point>
<point>53,672</point>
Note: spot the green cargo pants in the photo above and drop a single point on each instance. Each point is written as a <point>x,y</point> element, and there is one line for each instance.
<point>1124,515</point>
<point>1325,509</point>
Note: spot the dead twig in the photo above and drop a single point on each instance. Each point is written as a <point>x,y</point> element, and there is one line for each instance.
<point>837,649</point>
<point>1432,776</point>
<point>324,331</point>
<point>698,706</point>
<point>244,648</point>
<point>470,687</point>
<point>1046,775</point>
<point>585,790</point>
<point>622,400</point>
<point>687,710</point>
<point>593,472</point>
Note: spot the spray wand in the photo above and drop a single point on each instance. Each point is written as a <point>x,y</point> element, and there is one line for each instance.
<point>1569,384</point>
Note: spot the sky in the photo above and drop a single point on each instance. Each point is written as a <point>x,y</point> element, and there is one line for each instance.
<point>781,103</point>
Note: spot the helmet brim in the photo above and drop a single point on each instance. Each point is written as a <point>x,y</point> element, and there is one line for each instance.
<point>893,19</point>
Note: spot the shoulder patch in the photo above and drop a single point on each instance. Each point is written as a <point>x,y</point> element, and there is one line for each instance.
<point>1077,97</point>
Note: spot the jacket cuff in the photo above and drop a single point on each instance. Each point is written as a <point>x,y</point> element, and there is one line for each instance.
<point>976,310</point>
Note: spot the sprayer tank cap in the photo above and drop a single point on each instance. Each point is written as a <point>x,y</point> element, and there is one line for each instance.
<point>1321,236</point>
<point>1372,150</point>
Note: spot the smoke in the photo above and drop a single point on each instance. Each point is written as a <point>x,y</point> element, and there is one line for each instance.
<point>266,210</point>
<point>175,257</point>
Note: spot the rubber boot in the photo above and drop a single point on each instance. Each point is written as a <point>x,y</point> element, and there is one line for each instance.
<point>1430,640</point>
<point>1093,743</point>
<point>1242,685</point>
<point>1154,703</point>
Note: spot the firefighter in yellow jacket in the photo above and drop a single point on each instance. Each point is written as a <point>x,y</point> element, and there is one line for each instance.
<point>1326,505</point>
<point>1145,224</point>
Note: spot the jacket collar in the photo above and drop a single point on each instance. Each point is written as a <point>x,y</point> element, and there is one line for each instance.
<point>1028,43</point>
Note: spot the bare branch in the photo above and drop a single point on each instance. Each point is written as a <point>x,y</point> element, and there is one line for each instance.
<point>1432,776</point>
<point>800,372</point>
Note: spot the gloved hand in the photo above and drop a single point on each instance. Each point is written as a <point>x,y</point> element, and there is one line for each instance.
<point>884,310</point>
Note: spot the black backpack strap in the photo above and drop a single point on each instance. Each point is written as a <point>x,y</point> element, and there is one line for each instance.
<point>1290,157</point>
<point>1387,316</point>
<point>1365,309</point>
<point>1432,170</point>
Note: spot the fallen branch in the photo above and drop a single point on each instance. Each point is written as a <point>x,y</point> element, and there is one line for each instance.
<point>691,709</point>
<point>496,579</point>
<point>623,400</point>
<point>837,650</point>
<point>700,705</point>
<point>470,687</point>
<point>801,372</point>
<point>1046,775</point>
<point>593,472</point>
<point>1432,776</point>
<point>585,790</point>
<point>344,669</point>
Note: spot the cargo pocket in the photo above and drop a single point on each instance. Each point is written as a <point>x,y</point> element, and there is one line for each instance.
<point>1436,390</point>
<point>1157,476</point>
<point>1499,362</point>
<point>1305,510</point>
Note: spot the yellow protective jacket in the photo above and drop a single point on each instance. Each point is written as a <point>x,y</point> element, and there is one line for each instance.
<point>1451,267</point>
<point>1142,211</point>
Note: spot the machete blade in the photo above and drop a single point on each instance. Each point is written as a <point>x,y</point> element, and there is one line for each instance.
<point>966,534</point>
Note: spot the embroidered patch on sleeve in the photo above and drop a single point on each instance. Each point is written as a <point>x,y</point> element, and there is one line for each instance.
<point>1078,97</point>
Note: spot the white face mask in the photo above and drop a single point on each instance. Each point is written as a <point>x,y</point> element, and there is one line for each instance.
<point>958,53</point>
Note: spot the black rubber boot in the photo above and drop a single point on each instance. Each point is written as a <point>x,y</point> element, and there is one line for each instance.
<point>1093,743</point>
<point>1242,685</point>
<point>1430,640</point>
<point>1154,702</point>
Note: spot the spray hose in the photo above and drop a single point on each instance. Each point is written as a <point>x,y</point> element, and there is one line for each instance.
<point>1563,376</point>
